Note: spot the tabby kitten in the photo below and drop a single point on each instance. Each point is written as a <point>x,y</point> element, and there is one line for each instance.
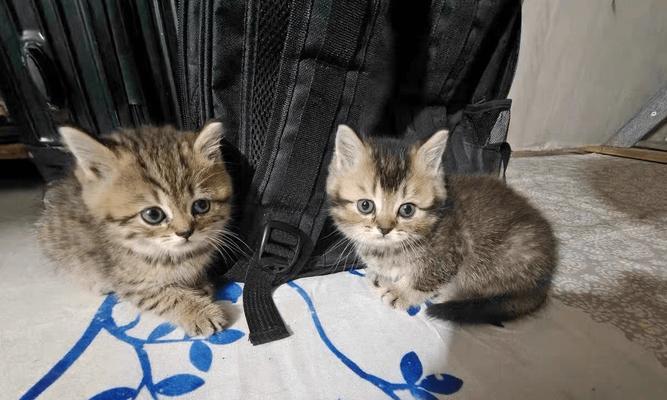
<point>469,242</point>
<point>142,215</point>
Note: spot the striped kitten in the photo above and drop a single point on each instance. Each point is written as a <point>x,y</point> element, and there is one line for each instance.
<point>469,242</point>
<point>142,215</point>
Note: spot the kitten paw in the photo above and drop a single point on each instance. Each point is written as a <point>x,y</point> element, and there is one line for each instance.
<point>395,300</point>
<point>205,322</point>
<point>373,279</point>
<point>102,289</point>
<point>377,283</point>
<point>209,289</point>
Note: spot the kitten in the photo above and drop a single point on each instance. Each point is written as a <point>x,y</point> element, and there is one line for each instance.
<point>142,215</point>
<point>470,242</point>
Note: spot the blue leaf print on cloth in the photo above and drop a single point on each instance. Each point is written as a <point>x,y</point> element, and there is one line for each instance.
<point>119,393</point>
<point>201,356</point>
<point>225,337</point>
<point>230,291</point>
<point>411,367</point>
<point>422,394</point>
<point>163,329</point>
<point>413,310</point>
<point>178,384</point>
<point>446,384</point>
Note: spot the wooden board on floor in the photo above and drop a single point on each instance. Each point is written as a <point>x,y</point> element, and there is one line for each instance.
<point>13,151</point>
<point>541,153</point>
<point>630,152</point>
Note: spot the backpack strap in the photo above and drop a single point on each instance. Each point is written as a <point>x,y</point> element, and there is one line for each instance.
<point>285,206</point>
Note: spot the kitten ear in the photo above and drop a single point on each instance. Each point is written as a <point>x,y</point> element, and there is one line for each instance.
<point>207,143</point>
<point>430,153</point>
<point>349,148</point>
<point>94,159</point>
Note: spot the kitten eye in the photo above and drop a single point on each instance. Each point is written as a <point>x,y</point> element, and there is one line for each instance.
<point>201,206</point>
<point>153,215</point>
<point>365,206</point>
<point>407,210</point>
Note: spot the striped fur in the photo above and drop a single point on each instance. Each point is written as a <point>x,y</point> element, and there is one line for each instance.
<point>92,227</point>
<point>473,243</point>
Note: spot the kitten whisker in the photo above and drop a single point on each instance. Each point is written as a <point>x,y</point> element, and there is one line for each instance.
<point>230,239</point>
<point>237,237</point>
<point>329,235</point>
<point>221,250</point>
<point>335,246</point>
<point>231,234</point>
<point>343,256</point>
<point>221,242</point>
<point>235,246</point>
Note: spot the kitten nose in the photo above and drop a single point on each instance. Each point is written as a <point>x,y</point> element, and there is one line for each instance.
<point>385,230</point>
<point>185,234</point>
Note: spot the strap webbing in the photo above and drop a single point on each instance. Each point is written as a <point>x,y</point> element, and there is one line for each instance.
<point>505,153</point>
<point>287,175</point>
<point>264,321</point>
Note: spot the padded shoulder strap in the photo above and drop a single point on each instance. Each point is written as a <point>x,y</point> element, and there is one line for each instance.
<point>284,210</point>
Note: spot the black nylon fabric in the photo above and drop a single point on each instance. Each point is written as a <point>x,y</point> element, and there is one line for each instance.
<point>472,148</point>
<point>318,87</point>
<point>281,75</point>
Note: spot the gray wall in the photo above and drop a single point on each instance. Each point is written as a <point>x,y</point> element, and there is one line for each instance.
<point>585,67</point>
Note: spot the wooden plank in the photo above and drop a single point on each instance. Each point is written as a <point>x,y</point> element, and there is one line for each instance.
<point>13,151</point>
<point>638,154</point>
<point>646,120</point>
<point>552,152</point>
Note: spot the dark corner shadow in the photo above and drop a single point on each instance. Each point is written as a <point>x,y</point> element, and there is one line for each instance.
<point>638,189</point>
<point>19,174</point>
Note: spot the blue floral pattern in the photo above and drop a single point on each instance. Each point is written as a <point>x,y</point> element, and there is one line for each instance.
<point>410,365</point>
<point>200,355</point>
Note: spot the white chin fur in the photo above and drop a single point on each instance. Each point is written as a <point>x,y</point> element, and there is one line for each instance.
<point>373,238</point>
<point>173,245</point>
<point>380,241</point>
<point>177,245</point>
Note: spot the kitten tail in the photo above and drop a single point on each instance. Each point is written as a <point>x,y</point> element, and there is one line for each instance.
<point>491,310</point>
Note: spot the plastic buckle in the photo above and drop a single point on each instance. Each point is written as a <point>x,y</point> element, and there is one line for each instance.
<point>279,264</point>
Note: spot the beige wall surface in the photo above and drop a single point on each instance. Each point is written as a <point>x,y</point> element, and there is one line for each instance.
<point>585,68</point>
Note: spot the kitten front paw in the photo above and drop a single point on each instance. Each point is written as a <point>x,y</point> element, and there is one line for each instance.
<point>395,299</point>
<point>378,284</point>
<point>209,289</point>
<point>205,321</point>
<point>102,288</point>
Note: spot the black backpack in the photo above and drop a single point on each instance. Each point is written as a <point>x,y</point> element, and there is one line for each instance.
<point>281,75</point>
